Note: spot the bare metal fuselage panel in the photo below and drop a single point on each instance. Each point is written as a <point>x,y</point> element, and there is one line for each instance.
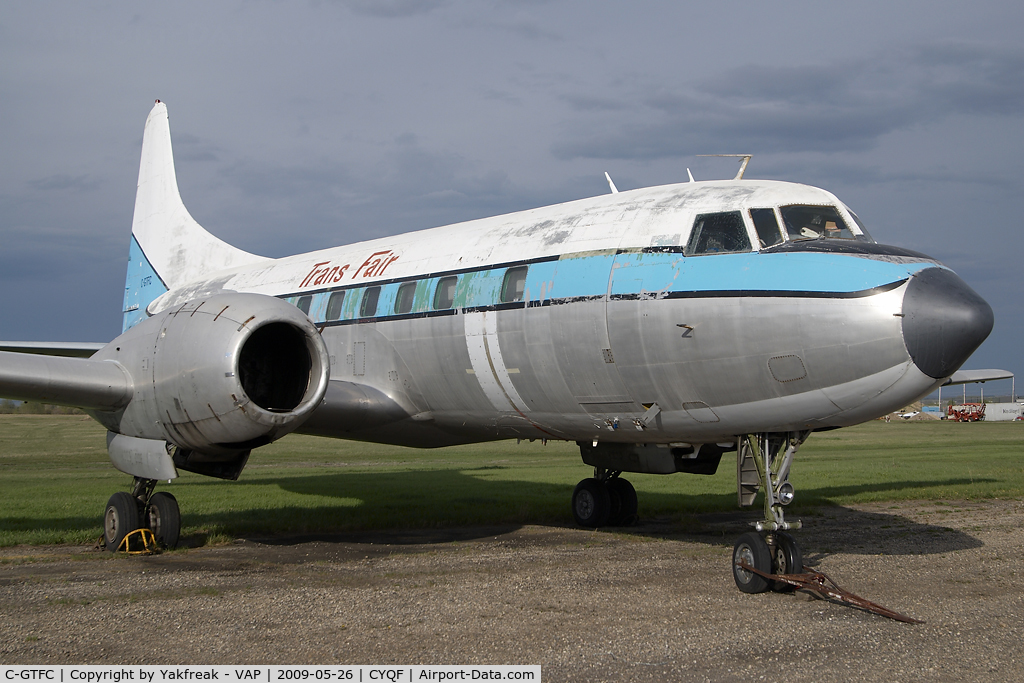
<point>722,344</point>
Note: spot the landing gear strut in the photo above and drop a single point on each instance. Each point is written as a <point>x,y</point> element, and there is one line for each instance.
<point>604,500</point>
<point>763,463</point>
<point>141,508</point>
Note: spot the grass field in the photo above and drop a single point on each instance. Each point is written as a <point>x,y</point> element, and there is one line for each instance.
<point>55,480</point>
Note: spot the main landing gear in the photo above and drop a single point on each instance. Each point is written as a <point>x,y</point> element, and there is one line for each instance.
<point>128,512</point>
<point>763,465</point>
<point>604,500</point>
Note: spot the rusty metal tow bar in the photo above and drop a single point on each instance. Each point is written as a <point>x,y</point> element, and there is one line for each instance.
<point>822,586</point>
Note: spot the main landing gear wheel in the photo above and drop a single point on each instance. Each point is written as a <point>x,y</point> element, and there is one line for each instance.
<point>591,503</point>
<point>624,502</point>
<point>164,519</point>
<point>786,559</point>
<point>127,512</point>
<point>752,549</point>
<point>120,519</point>
<point>604,501</point>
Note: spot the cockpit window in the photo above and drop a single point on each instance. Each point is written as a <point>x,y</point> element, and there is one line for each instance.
<point>767,227</point>
<point>815,222</point>
<point>864,234</point>
<point>718,233</point>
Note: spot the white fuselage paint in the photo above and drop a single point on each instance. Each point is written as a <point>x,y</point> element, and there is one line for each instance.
<point>488,364</point>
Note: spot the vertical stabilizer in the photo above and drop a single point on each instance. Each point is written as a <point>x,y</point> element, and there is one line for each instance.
<point>168,248</point>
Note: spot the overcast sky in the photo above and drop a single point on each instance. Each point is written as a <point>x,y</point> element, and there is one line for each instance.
<point>303,125</point>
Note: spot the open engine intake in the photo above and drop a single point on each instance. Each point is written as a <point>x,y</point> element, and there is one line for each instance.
<point>219,376</point>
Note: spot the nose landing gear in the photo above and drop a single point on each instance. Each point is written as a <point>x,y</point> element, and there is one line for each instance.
<point>763,465</point>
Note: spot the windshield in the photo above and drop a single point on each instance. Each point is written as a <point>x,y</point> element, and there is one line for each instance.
<point>718,233</point>
<point>865,235</point>
<point>815,222</point>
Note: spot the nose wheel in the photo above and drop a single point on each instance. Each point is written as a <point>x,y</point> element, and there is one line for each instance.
<point>787,558</point>
<point>774,553</point>
<point>751,550</point>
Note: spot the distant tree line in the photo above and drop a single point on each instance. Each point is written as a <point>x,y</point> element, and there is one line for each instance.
<point>9,407</point>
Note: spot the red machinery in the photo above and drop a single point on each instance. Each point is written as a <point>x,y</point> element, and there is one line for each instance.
<point>966,412</point>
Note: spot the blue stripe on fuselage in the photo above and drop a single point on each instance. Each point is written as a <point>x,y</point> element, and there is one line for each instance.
<point>799,272</point>
<point>637,274</point>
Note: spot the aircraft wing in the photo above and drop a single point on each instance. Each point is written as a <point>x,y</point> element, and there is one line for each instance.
<point>90,384</point>
<point>70,349</point>
<point>971,376</point>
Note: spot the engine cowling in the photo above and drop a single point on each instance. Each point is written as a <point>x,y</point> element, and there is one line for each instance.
<point>220,375</point>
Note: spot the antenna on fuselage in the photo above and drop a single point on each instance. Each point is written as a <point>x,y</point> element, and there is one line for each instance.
<point>743,166</point>
<point>691,176</point>
<point>615,190</point>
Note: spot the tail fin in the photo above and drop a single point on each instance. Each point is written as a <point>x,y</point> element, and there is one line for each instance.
<point>168,248</point>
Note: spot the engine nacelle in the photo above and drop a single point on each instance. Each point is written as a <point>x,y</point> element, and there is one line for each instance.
<point>219,376</point>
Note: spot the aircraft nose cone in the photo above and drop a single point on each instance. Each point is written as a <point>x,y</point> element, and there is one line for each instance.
<point>944,321</point>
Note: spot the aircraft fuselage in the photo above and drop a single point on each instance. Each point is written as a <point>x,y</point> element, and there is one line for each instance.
<point>614,306</point>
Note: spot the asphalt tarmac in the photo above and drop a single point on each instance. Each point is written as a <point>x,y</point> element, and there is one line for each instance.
<point>655,602</point>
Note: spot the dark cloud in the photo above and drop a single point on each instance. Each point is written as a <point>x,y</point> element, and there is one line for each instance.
<point>591,102</point>
<point>63,181</point>
<point>54,279</point>
<point>191,148</point>
<point>843,106</point>
<point>528,28</point>
<point>392,8</point>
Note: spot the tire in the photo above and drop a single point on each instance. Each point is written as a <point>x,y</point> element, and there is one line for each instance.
<point>752,549</point>
<point>164,519</point>
<point>622,492</point>
<point>614,503</point>
<point>120,519</point>
<point>788,560</point>
<point>591,503</point>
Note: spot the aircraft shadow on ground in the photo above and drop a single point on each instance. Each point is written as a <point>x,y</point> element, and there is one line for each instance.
<point>442,506</point>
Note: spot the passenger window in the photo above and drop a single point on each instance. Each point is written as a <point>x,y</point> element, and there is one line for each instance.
<point>334,305</point>
<point>814,222</point>
<point>368,306</point>
<point>444,295</point>
<point>767,226</point>
<point>406,293</point>
<point>514,286</point>
<point>718,233</point>
<point>303,303</point>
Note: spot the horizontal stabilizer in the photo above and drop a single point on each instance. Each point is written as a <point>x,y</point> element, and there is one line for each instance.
<point>70,349</point>
<point>89,384</point>
<point>971,376</point>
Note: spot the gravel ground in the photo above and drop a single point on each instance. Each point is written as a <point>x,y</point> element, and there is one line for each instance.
<point>653,602</point>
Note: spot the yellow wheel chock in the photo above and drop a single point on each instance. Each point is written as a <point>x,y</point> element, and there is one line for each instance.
<point>144,537</point>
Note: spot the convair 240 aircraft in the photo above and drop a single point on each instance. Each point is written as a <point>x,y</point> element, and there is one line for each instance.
<point>658,328</point>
